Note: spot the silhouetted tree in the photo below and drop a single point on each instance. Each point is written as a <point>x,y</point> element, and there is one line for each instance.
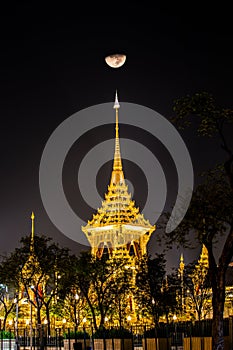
<point>154,294</point>
<point>210,214</point>
<point>39,272</point>
<point>198,289</point>
<point>101,281</point>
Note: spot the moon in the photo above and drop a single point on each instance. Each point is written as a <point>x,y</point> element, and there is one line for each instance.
<point>115,61</point>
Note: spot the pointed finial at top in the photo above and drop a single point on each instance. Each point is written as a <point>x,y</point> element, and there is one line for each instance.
<point>116,104</point>
<point>33,226</point>
<point>32,232</point>
<point>117,173</point>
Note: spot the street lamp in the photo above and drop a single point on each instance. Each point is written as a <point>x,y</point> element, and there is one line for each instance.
<point>30,321</point>
<point>76,300</point>
<point>175,319</point>
<point>64,324</point>
<point>16,301</point>
<point>30,301</point>
<point>30,324</point>
<point>129,318</point>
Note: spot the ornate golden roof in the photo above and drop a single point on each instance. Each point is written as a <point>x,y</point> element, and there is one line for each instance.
<point>118,208</point>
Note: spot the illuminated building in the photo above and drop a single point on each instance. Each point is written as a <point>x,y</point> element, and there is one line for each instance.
<point>198,298</point>
<point>118,228</point>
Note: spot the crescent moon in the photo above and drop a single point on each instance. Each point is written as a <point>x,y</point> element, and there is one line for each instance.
<point>116,60</point>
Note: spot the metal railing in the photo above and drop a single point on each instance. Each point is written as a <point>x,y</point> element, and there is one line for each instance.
<point>165,336</point>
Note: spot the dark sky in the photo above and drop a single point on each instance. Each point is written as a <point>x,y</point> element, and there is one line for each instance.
<point>52,66</point>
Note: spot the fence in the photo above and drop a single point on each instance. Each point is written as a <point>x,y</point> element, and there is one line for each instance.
<point>174,336</point>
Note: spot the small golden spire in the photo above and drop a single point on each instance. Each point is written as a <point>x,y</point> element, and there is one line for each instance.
<point>204,256</point>
<point>33,228</point>
<point>116,107</point>
<point>32,232</point>
<point>181,262</point>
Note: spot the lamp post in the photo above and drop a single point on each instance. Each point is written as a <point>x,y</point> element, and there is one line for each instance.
<point>16,300</point>
<point>29,322</point>
<point>175,319</point>
<point>30,301</point>
<point>64,324</point>
<point>30,325</point>
<point>129,318</point>
<point>76,300</point>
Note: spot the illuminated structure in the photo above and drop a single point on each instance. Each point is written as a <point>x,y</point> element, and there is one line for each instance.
<point>31,288</point>
<point>118,227</point>
<point>196,295</point>
<point>203,261</point>
<point>181,275</point>
<point>32,264</point>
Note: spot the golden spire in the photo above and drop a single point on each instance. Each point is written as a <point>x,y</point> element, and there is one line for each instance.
<point>204,256</point>
<point>32,233</point>
<point>117,173</point>
<point>181,262</point>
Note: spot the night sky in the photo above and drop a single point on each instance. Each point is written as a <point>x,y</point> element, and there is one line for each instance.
<point>52,66</point>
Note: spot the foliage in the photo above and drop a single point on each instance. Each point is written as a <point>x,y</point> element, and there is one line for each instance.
<point>7,302</point>
<point>76,335</point>
<point>153,292</point>
<point>39,274</point>
<point>209,117</point>
<point>74,305</point>
<point>113,333</point>
<point>171,301</point>
<point>201,110</point>
<point>101,281</point>
<point>149,280</point>
<point>198,289</point>
<point>6,335</point>
<point>210,213</point>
